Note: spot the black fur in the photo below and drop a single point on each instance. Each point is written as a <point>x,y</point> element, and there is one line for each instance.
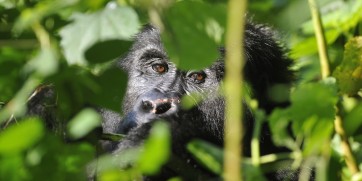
<point>151,95</point>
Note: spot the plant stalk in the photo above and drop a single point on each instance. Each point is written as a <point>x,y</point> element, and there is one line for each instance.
<point>234,64</point>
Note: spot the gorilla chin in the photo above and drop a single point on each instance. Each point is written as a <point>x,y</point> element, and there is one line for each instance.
<point>155,88</point>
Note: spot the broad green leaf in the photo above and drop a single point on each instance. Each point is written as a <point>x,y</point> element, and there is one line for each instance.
<point>22,136</point>
<point>83,123</point>
<point>349,72</point>
<point>313,99</point>
<point>111,88</point>
<point>195,31</point>
<point>120,23</point>
<point>156,149</point>
<point>113,49</point>
<point>207,154</point>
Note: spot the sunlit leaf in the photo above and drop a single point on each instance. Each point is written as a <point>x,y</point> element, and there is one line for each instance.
<point>83,123</point>
<point>156,149</point>
<point>22,136</point>
<point>349,72</point>
<point>119,23</point>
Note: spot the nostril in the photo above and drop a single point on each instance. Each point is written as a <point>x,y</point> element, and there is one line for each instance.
<point>147,105</point>
<point>162,107</point>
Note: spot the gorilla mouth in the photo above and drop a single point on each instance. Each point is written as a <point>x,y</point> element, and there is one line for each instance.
<point>160,106</point>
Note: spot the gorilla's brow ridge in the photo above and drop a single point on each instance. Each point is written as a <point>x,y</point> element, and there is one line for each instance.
<point>153,53</point>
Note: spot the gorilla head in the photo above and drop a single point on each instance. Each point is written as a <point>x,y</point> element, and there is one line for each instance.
<point>156,86</point>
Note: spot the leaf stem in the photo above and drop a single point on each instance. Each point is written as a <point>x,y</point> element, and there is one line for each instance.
<point>346,147</point>
<point>323,55</point>
<point>321,41</point>
<point>234,64</point>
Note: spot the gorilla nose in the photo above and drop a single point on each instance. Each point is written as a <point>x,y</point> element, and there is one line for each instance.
<point>158,106</point>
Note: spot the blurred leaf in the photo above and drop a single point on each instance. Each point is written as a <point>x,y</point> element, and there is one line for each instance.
<point>313,99</point>
<point>106,50</point>
<point>69,160</point>
<point>349,72</point>
<point>190,33</point>
<point>111,88</point>
<point>207,154</point>
<point>190,100</point>
<point>42,9</point>
<point>20,137</point>
<point>156,149</point>
<point>120,23</point>
<point>45,62</point>
<point>83,123</point>
<point>353,120</point>
<point>12,167</point>
<point>279,122</point>
<point>344,16</point>
<point>11,64</point>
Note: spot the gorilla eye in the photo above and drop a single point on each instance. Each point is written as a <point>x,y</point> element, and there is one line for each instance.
<point>198,77</point>
<point>160,68</point>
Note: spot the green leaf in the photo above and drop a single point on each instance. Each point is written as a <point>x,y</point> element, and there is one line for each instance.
<point>45,8</point>
<point>113,48</point>
<point>22,136</point>
<point>353,120</point>
<point>279,121</point>
<point>207,154</point>
<point>83,123</point>
<point>156,149</point>
<point>338,21</point>
<point>120,23</point>
<point>190,33</point>
<point>313,99</point>
<point>111,88</point>
<point>45,63</point>
<point>349,72</point>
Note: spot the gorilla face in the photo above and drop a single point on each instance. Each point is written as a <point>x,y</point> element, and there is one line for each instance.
<point>155,87</point>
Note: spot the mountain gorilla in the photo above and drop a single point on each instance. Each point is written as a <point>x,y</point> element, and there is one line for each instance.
<point>155,88</point>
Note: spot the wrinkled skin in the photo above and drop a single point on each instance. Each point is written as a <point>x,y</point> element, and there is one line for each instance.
<point>155,88</point>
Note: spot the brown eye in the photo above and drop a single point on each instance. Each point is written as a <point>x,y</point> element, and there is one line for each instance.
<point>198,77</point>
<point>159,68</point>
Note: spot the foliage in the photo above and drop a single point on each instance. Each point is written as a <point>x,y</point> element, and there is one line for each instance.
<point>72,44</point>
